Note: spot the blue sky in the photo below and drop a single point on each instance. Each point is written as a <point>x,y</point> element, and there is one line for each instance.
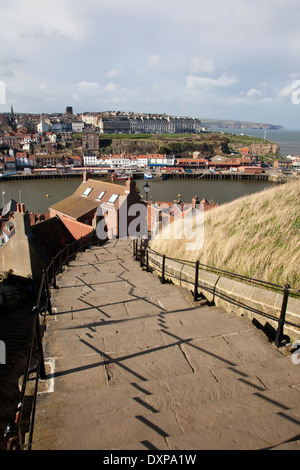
<point>224,59</point>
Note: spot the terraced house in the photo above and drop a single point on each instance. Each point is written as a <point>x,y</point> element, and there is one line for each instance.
<point>84,204</point>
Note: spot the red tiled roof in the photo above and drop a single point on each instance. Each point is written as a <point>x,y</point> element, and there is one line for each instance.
<point>50,237</point>
<point>77,229</point>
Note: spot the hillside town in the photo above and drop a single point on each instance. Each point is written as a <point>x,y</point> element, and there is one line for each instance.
<point>67,142</point>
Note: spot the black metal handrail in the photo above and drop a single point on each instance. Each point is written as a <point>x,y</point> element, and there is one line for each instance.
<point>139,253</point>
<point>35,351</point>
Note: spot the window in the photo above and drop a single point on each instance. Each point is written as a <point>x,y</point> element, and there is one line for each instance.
<point>100,196</point>
<point>87,192</point>
<point>113,198</point>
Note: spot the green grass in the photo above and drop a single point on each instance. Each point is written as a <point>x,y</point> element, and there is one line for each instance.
<point>126,136</point>
<point>256,235</point>
<point>245,139</point>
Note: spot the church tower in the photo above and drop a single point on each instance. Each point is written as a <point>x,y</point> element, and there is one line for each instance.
<point>12,119</point>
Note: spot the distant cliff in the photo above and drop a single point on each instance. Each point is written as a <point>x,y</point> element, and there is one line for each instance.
<point>221,124</point>
<point>259,148</point>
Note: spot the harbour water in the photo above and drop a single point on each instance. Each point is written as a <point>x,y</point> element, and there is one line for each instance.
<point>39,195</point>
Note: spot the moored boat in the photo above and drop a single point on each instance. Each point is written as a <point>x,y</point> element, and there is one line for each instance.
<point>120,176</point>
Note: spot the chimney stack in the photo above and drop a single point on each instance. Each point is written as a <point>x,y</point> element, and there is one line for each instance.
<point>86,175</point>
<point>195,202</point>
<point>130,185</point>
<point>22,221</point>
<point>21,208</point>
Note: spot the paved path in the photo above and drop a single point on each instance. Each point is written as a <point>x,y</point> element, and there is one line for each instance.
<point>138,365</point>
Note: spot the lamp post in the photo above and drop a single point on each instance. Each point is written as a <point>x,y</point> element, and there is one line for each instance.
<point>146,188</point>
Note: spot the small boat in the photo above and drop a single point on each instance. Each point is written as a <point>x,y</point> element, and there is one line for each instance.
<point>120,176</point>
<point>148,176</point>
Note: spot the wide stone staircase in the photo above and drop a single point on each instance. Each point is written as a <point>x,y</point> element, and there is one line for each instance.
<point>136,365</point>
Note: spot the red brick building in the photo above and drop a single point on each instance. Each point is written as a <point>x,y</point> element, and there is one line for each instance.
<point>90,140</point>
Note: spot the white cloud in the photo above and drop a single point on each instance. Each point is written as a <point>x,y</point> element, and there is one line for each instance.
<point>202,66</point>
<point>194,82</point>
<point>154,60</point>
<point>114,73</point>
<point>253,93</point>
<point>286,91</point>
<point>111,87</point>
<point>88,89</point>
<point>289,88</point>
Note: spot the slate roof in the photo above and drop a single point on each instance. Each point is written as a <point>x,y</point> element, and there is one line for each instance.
<point>77,205</point>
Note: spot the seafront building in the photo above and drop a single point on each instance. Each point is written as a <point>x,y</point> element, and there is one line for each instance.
<point>129,161</point>
<point>130,123</point>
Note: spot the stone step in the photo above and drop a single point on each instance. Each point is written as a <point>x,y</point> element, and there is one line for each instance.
<point>202,384</point>
<point>269,431</point>
<point>91,430</point>
<point>195,398</point>
<point>103,432</point>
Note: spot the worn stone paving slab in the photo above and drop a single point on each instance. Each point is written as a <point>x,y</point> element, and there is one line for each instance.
<point>73,345</point>
<point>212,353</point>
<point>157,362</point>
<point>276,366</point>
<point>216,439</point>
<point>142,340</point>
<point>80,372</point>
<point>102,435</point>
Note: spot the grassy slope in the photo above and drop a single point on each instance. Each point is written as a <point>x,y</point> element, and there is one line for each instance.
<point>256,236</point>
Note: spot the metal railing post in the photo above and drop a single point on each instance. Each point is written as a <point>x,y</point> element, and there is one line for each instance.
<point>196,281</point>
<point>60,262</point>
<point>147,260</point>
<point>48,295</point>
<point>68,255</point>
<point>54,273</point>
<point>163,269</point>
<point>136,249</point>
<point>281,322</point>
<point>141,256</point>
<point>42,370</point>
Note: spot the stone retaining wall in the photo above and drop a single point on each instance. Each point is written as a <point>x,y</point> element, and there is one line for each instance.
<point>257,303</point>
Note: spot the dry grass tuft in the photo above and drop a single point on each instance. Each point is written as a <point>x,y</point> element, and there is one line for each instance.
<point>256,236</point>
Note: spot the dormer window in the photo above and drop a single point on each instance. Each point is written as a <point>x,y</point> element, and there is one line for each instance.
<point>87,192</point>
<point>113,198</point>
<point>100,196</point>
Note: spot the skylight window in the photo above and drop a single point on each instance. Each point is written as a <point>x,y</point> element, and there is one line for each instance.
<point>87,192</point>
<point>100,195</point>
<point>113,198</point>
